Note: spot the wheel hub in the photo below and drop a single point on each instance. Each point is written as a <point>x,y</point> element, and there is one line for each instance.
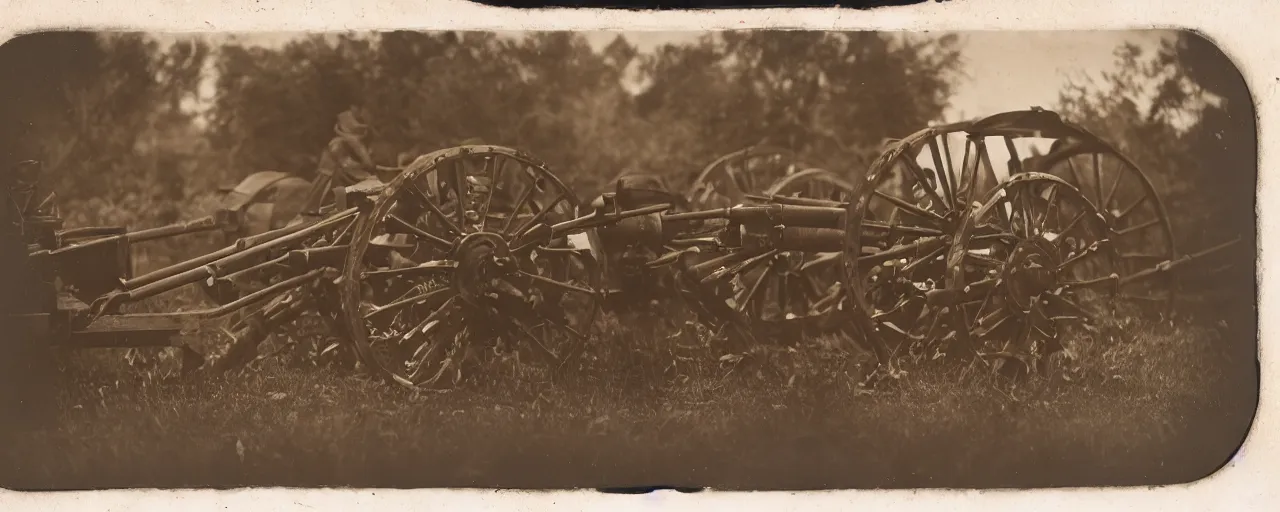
<point>484,260</point>
<point>1030,270</point>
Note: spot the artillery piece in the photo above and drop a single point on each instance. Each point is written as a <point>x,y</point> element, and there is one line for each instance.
<point>85,274</point>
<point>949,257</point>
<point>472,251</point>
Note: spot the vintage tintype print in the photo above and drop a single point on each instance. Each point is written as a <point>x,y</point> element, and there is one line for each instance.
<point>744,260</point>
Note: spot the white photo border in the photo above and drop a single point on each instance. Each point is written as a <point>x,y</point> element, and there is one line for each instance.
<point>1241,28</point>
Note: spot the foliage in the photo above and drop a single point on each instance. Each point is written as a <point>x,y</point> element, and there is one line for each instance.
<point>1197,139</point>
<point>129,141</point>
<point>550,94</point>
<point>806,90</point>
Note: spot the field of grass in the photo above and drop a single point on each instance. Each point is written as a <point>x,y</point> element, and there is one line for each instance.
<point>1159,403</point>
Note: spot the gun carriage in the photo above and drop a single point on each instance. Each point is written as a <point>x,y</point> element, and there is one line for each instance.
<point>933,251</point>
<point>469,252</point>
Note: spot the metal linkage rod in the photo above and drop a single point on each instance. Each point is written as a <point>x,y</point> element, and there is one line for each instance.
<point>210,266</point>
<point>108,235</point>
<point>244,249</point>
<point>236,305</point>
<point>181,228</point>
<point>1171,265</point>
<point>88,232</point>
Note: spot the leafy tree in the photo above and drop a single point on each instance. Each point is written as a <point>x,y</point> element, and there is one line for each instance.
<point>807,90</point>
<point>92,104</point>
<point>1197,140</point>
<point>550,94</point>
<point>274,109</point>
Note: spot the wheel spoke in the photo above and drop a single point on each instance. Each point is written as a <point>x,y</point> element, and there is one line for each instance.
<point>782,294</point>
<point>539,215</point>
<point>1075,174</point>
<point>1089,251</point>
<point>1062,235</point>
<point>1050,203</point>
<point>984,158</point>
<point>755,287</point>
<point>557,284</point>
<point>1097,178</point>
<point>1132,229</point>
<point>524,199</point>
<point>992,321</point>
<point>459,345</point>
<point>738,268</point>
<point>1129,209</point>
<point>433,208</point>
<point>458,178</point>
<point>1115,185</point>
<point>930,257</point>
<point>923,180</point>
<point>910,208</point>
<point>1024,211</point>
<point>1015,162</point>
<point>822,259</point>
<point>421,298</point>
<point>420,233</point>
<point>940,167</point>
<point>430,322</point>
<point>493,171</point>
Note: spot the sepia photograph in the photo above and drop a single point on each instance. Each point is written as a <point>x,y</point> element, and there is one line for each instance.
<point>749,259</point>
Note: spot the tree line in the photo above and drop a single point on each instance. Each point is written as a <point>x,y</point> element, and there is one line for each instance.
<point>109,113</point>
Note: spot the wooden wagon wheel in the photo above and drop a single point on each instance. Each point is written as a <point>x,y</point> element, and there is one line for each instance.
<point>1112,182</point>
<point>789,293</point>
<point>427,281</point>
<point>726,181</point>
<point>1122,192</point>
<point>897,229</point>
<point>1026,265</point>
